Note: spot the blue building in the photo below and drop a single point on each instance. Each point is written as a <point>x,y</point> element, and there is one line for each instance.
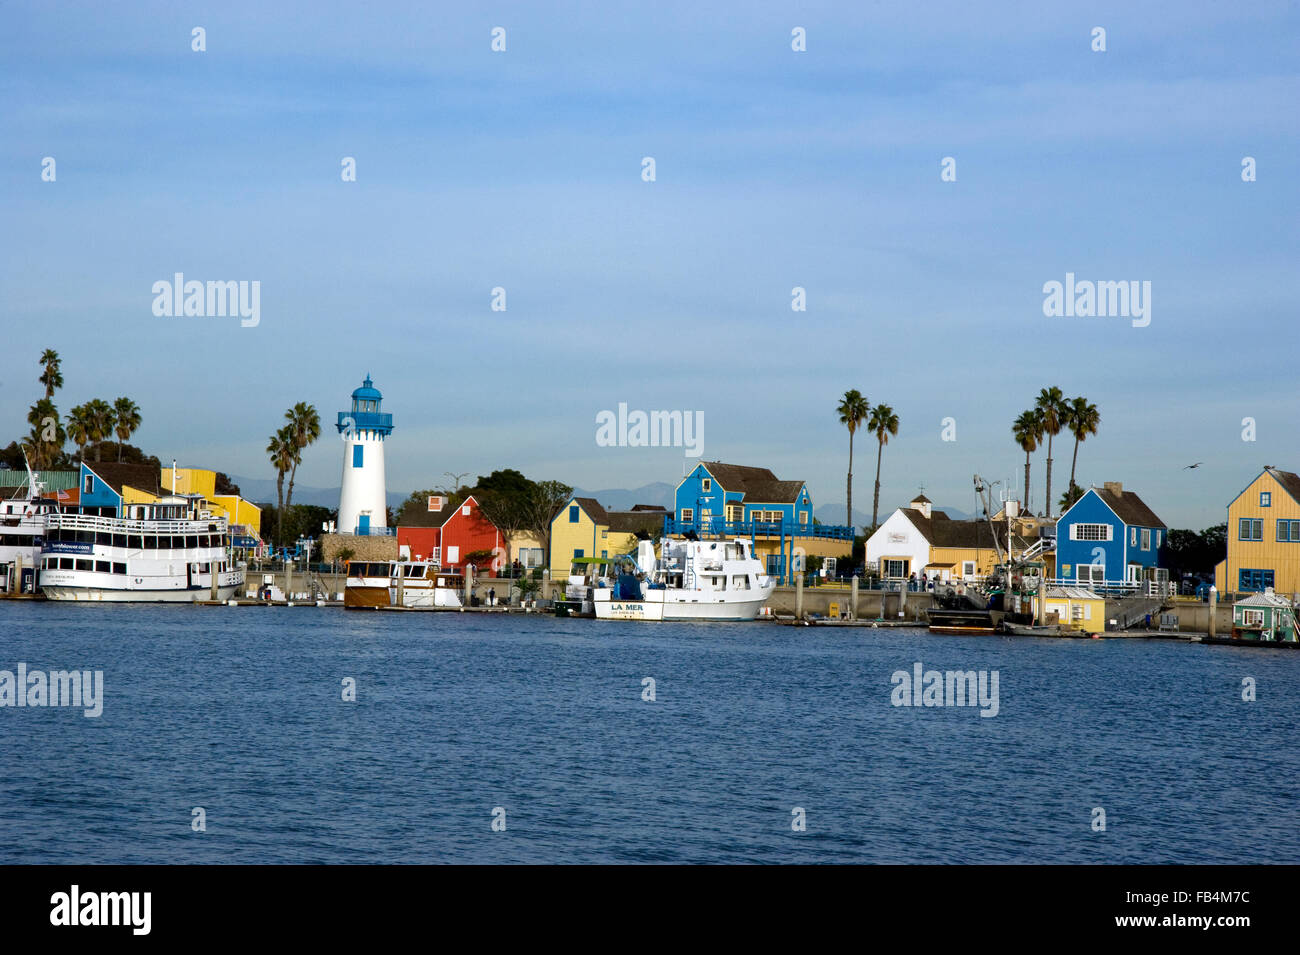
<point>1109,536</point>
<point>727,500</point>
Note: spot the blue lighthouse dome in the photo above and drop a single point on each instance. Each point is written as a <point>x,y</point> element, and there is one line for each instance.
<point>367,391</point>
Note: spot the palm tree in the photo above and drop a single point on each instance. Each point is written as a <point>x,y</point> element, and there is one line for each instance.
<point>281,451</point>
<point>304,423</point>
<point>51,377</point>
<point>102,421</point>
<point>127,415</point>
<point>853,410</point>
<point>1083,419</point>
<point>883,422</point>
<point>79,429</point>
<point>44,419</point>
<point>1027,429</point>
<point>1051,406</point>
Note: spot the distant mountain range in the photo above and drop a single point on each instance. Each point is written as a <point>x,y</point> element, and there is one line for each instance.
<point>262,491</point>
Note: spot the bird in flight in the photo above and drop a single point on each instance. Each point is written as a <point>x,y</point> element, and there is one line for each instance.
<point>1189,467</point>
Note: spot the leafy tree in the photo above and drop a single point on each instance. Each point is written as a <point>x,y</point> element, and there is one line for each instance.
<point>547,498</point>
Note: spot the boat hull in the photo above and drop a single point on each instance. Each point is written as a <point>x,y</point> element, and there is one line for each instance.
<point>667,608</point>
<point>116,595</point>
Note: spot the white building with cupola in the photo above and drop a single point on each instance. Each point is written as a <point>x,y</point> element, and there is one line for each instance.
<point>363,499</point>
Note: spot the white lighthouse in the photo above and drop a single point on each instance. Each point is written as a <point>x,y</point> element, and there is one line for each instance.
<point>363,501</point>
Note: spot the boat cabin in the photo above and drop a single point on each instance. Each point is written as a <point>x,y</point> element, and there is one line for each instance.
<point>1264,616</point>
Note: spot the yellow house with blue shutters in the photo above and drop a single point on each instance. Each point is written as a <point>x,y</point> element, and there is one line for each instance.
<point>1263,537</point>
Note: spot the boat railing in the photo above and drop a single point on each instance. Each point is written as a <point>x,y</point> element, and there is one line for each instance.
<point>754,528</point>
<point>96,522</point>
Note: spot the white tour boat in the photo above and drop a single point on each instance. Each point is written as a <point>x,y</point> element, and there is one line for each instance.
<point>166,551</point>
<point>690,580</point>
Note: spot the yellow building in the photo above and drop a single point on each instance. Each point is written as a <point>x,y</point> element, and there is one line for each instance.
<point>1263,537</point>
<point>583,528</point>
<point>1074,607</point>
<point>236,510</point>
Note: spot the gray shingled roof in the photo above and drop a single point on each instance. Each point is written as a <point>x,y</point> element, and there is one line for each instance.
<point>759,485</point>
<point>1129,508</point>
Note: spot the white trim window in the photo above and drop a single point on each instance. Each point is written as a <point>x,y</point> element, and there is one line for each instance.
<point>1132,537</point>
<point>1252,618</point>
<point>1091,532</point>
<point>1146,539</point>
<point>1092,573</point>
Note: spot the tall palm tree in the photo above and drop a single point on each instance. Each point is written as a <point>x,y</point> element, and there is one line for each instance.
<point>1051,405</point>
<point>127,414</point>
<point>882,423</point>
<point>1027,429</point>
<point>853,410</point>
<point>304,423</point>
<point>47,435</point>
<point>51,376</point>
<point>1083,419</point>
<point>102,421</point>
<point>79,429</point>
<point>281,450</point>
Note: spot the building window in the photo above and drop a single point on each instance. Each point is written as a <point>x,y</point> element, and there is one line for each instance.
<point>578,552</point>
<point>573,513</point>
<point>803,517</point>
<point>90,485</point>
<point>1252,579</point>
<point>688,515</point>
<point>1132,537</point>
<point>706,485</point>
<point>896,569</point>
<point>465,510</point>
<point>1092,573</point>
<point>1265,498</point>
<point>1252,618</point>
<point>1090,532</point>
<point>1288,532</point>
<point>1146,539</point>
<point>358,452</point>
<point>1249,529</point>
<point>1157,540</point>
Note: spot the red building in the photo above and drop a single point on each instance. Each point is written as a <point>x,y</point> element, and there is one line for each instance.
<point>449,533</point>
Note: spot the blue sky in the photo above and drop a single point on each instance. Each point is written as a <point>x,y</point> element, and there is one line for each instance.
<point>775,169</point>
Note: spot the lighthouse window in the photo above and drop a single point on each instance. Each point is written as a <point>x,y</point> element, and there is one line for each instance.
<point>357,451</point>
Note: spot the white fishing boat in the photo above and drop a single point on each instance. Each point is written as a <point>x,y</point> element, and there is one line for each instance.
<point>418,584</point>
<point>166,551</point>
<point>689,580</point>
<point>586,576</point>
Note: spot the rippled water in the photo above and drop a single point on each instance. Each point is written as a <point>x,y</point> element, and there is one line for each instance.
<point>239,711</point>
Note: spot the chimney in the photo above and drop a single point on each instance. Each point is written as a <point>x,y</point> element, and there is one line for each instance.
<point>1115,487</point>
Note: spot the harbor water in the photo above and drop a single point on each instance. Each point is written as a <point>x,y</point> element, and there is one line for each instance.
<point>544,726</point>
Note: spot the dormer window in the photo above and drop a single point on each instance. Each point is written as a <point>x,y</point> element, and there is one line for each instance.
<point>1265,498</point>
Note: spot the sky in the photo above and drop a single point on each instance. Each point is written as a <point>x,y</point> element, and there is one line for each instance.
<point>774,169</point>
